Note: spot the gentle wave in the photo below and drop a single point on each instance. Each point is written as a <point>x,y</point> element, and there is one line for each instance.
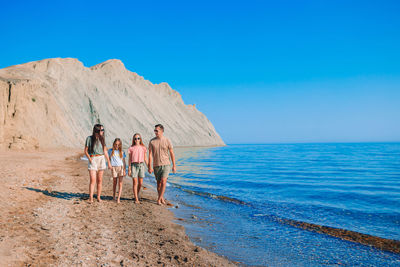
<point>385,244</point>
<point>347,191</point>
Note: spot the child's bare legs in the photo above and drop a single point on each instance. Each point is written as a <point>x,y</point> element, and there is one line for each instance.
<point>120,188</point>
<point>99,184</point>
<point>92,175</point>
<point>140,180</point>
<point>115,179</point>
<point>135,189</point>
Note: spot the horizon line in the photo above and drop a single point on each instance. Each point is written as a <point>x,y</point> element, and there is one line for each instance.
<point>333,142</point>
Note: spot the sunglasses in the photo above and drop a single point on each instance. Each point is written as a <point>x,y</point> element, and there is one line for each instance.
<point>101,130</point>
<point>137,138</point>
<point>156,131</point>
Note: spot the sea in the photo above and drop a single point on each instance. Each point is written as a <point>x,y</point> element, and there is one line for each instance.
<point>248,202</point>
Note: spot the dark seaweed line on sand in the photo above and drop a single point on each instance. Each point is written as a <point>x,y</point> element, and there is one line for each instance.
<point>205,194</point>
<point>352,236</point>
<point>369,240</point>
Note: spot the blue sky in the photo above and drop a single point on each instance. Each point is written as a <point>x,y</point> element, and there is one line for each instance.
<point>261,71</point>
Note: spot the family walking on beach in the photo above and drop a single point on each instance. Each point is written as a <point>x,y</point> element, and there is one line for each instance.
<point>158,161</point>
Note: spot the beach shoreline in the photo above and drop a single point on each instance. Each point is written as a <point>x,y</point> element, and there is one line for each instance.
<point>46,219</point>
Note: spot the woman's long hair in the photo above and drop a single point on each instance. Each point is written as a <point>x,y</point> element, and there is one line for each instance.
<point>119,147</point>
<point>96,136</point>
<point>133,139</point>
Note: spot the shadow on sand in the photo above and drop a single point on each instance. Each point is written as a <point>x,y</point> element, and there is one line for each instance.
<point>78,196</point>
<point>68,195</point>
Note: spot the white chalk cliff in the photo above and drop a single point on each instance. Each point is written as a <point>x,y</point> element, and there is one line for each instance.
<point>55,103</point>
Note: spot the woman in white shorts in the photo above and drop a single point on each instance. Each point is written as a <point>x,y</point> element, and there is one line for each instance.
<point>137,159</point>
<point>96,152</point>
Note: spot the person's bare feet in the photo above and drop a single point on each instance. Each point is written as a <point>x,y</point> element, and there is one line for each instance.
<point>159,203</point>
<point>90,201</point>
<point>99,200</point>
<point>163,201</point>
<point>118,200</point>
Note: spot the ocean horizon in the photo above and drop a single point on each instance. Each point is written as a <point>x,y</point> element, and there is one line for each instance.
<point>317,142</point>
<point>266,198</point>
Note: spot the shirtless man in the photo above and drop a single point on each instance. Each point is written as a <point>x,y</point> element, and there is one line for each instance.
<point>159,147</point>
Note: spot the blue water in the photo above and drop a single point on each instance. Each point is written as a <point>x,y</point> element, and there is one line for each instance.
<point>349,186</point>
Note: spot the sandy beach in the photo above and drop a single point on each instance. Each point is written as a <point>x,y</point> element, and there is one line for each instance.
<point>46,221</point>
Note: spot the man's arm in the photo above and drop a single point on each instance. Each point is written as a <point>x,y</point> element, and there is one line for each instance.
<point>171,152</point>
<point>150,168</point>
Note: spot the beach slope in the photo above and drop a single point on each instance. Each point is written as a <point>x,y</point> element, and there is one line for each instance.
<point>46,221</point>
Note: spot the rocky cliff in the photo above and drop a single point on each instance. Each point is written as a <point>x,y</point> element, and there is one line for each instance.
<point>55,103</point>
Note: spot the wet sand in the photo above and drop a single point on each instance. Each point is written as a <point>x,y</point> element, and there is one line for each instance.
<point>46,221</point>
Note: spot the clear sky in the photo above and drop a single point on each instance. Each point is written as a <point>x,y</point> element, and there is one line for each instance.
<point>261,71</point>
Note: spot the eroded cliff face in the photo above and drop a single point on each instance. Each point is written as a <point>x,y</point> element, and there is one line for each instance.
<point>55,103</point>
